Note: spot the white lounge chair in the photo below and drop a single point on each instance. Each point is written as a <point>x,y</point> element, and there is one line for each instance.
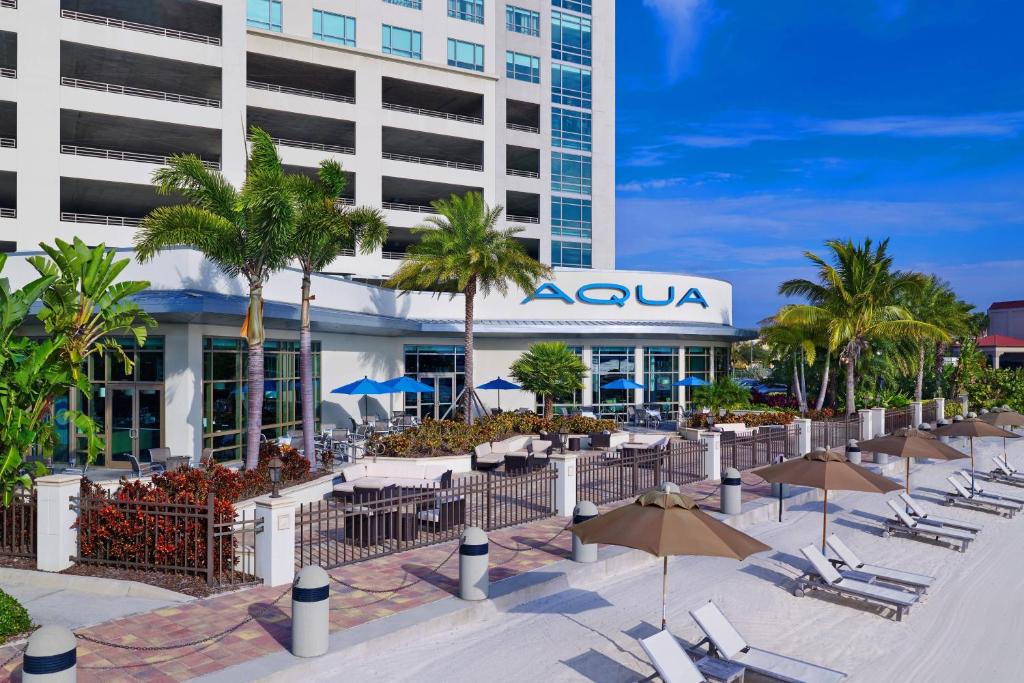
<point>850,566</point>
<point>670,660</point>
<point>904,524</point>
<point>827,578</point>
<point>1005,474</point>
<point>725,641</point>
<point>921,515</point>
<point>972,484</point>
<point>976,500</point>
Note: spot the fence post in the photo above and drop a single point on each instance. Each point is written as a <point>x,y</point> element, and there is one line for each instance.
<point>878,421</point>
<point>713,454</point>
<point>803,424</point>
<point>211,500</point>
<point>57,539</point>
<point>916,414</point>
<point>275,544</point>
<point>940,410</point>
<point>490,499</point>
<point>565,483</point>
<point>867,429</point>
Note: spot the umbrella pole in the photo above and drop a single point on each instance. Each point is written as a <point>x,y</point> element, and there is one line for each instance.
<point>908,475</point>
<point>972,464</point>
<point>824,520</point>
<point>664,594</point>
<point>780,503</point>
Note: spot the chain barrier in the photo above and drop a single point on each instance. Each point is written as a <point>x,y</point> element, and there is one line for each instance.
<point>530,547</point>
<point>408,584</point>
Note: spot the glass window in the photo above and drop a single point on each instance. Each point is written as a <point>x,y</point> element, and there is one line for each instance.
<point>571,217</point>
<point>334,28</point>
<point>402,42</point>
<point>519,20</point>
<point>570,38</point>
<point>225,388</point>
<point>721,361</point>
<point>571,129</point>
<point>698,364</point>
<point>582,6</point>
<point>661,371</point>
<point>610,363</point>
<point>440,366</point>
<point>571,254</point>
<point>411,4</point>
<point>570,173</point>
<point>570,86</point>
<point>567,405</point>
<point>522,67</point>
<point>265,14</point>
<point>467,10</point>
<point>465,55</point>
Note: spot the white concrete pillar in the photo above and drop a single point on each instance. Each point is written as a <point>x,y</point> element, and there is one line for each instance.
<point>713,456</point>
<point>588,378</point>
<point>565,484</point>
<point>55,520</point>
<point>275,545</point>
<point>638,375</point>
<point>916,414</point>
<point>867,429</point>
<point>803,424</point>
<point>940,409</point>
<point>878,421</point>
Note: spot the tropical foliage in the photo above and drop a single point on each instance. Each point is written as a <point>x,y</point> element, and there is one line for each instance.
<point>721,395</point>
<point>462,251</point>
<point>14,618</point>
<point>552,371</point>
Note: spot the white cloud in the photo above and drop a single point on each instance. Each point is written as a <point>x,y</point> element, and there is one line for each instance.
<point>664,183</point>
<point>987,125</point>
<point>680,22</point>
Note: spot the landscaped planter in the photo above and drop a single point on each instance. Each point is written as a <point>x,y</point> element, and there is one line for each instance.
<point>458,464</point>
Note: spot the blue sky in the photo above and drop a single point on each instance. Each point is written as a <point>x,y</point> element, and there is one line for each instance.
<point>750,131</point>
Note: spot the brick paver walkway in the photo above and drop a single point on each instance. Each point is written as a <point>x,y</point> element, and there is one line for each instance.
<point>535,545</point>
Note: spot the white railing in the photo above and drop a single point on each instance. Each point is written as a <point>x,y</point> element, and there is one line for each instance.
<point>525,129</point>
<point>138,92</point>
<point>319,146</point>
<point>509,218</point>
<point>522,174</point>
<point>432,112</point>
<point>346,252</point>
<point>8,213</point>
<point>347,201</point>
<point>433,162</point>
<point>8,73</point>
<point>315,94</point>
<point>8,142</point>
<point>398,206</point>
<point>411,4</point>
<point>142,28</point>
<point>117,155</point>
<point>98,219</point>
<point>394,255</point>
<point>11,4</point>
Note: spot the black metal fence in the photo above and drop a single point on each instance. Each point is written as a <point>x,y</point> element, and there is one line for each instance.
<point>368,524</point>
<point>18,525</point>
<point>929,412</point>
<point>748,450</point>
<point>834,433</point>
<point>897,418</point>
<point>615,475</point>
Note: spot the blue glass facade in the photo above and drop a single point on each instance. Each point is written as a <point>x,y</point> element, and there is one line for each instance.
<point>570,129</point>
<point>571,254</point>
<point>522,67</point>
<point>334,28</point>
<point>465,55</point>
<point>570,173</point>
<point>571,38</point>
<point>571,217</point>
<point>519,20</point>
<point>401,42</point>
<point>467,10</point>
<point>581,6</point>
<point>264,14</point>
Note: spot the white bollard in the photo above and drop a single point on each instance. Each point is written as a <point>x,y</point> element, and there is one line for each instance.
<point>51,656</point>
<point>311,602</point>
<point>731,495</point>
<point>583,552</point>
<point>474,564</point>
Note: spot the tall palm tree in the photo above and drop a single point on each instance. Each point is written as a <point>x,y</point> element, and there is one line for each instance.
<point>551,370</point>
<point>324,227</point>
<point>856,299</point>
<point>935,302</point>
<point>244,232</point>
<point>794,342</point>
<point>461,251</point>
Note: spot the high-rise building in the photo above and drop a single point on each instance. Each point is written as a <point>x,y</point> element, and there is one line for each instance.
<point>417,99</point>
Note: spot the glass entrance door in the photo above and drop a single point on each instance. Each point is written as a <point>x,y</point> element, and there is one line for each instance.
<point>436,404</point>
<point>135,422</point>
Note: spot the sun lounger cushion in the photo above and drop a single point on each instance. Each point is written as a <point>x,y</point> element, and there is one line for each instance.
<point>670,660</point>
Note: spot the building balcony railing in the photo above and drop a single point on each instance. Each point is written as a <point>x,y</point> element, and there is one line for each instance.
<point>302,92</point>
<point>522,174</point>
<point>318,146</point>
<point>398,206</point>
<point>520,127</point>
<point>510,218</point>
<point>10,143</point>
<point>433,162</point>
<point>118,155</point>
<point>346,252</point>
<point>141,28</point>
<point>8,73</point>
<point>8,213</point>
<point>346,201</point>
<point>138,92</point>
<point>393,255</point>
<point>10,4</point>
<point>411,4</point>
<point>99,219</point>
<point>433,112</point>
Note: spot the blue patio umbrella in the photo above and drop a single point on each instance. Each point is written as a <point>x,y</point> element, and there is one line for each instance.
<point>362,387</point>
<point>498,384</point>
<point>403,384</point>
<point>691,382</point>
<point>623,384</point>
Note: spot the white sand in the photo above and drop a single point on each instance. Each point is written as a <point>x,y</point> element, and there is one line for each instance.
<point>969,627</point>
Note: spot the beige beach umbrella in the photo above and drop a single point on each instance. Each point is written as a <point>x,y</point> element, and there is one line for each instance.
<point>827,470</point>
<point>973,427</point>
<point>665,523</point>
<point>910,443</point>
<point>1004,417</point>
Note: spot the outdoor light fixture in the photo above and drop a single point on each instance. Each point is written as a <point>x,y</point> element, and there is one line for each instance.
<point>563,436</point>
<point>275,465</point>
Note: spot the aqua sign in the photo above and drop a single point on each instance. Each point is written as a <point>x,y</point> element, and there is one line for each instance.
<point>610,294</point>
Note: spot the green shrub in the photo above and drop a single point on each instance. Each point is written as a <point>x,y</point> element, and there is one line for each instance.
<point>700,420</point>
<point>14,618</point>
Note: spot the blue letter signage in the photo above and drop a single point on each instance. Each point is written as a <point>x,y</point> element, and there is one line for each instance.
<point>583,295</point>
<point>617,295</point>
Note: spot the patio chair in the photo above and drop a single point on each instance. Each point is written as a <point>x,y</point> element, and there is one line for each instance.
<point>965,477</point>
<point>824,577</point>
<point>140,470</point>
<point>600,440</point>
<point>904,524</point>
<point>963,497</point>
<point>1004,474</point>
<point>381,427</point>
<point>915,510</point>
<point>80,466</point>
<point>588,413</point>
<point>518,464</point>
<point>158,458</point>
<point>206,458</point>
<point>669,659</point>
<point>725,642</point>
<point>849,565</point>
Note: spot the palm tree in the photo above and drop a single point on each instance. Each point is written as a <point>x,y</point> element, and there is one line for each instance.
<point>795,342</point>
<point>244,232</point>
<point>856,299</point>
<point>551,370</point>
<point>936,303</point>
<point>323,229</point>
<point>461,251</point>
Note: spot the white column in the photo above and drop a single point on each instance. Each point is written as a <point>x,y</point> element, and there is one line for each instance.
<point>804,425</point>
<point>588,378</point>
<point>183,390</point>
<point>916,414</point>
<point>275,545</point>
<point>940,409</point>
<point>878,421</point>
<point>55,521</point>
<point>638,374</point>
<point>867,429</point>
<point>713,457</point>
<point>565,484</point>
<point>233,93</point>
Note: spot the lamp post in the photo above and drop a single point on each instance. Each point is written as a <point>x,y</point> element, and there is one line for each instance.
<point>563,436</point>
<point>274,466</point>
